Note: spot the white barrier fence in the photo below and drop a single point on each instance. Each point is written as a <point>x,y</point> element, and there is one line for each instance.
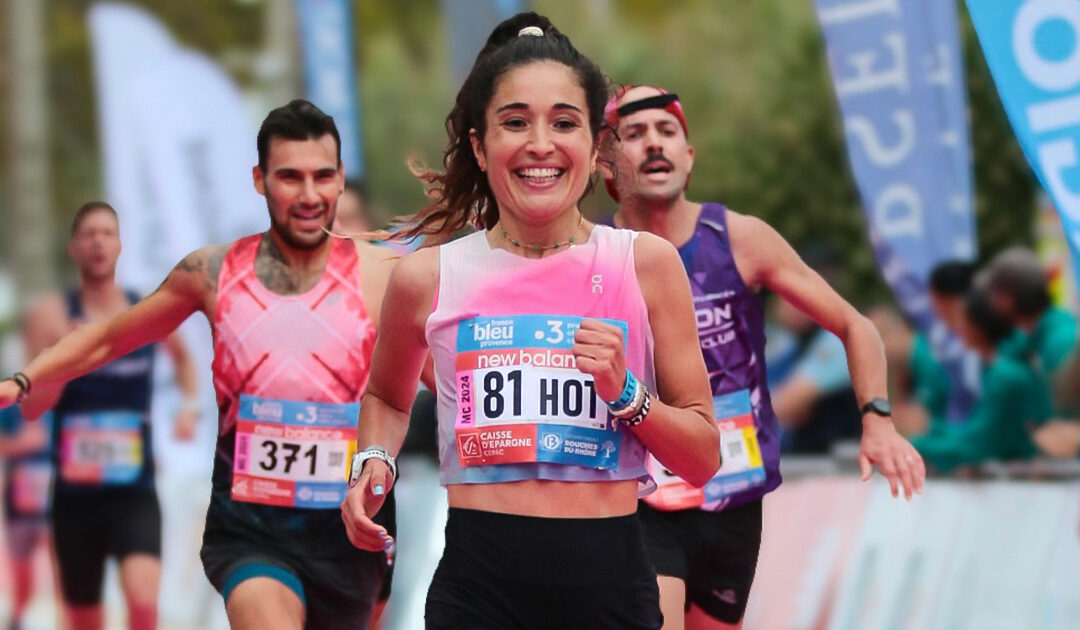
<point>978,554</point>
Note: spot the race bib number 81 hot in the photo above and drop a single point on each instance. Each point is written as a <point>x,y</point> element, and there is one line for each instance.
<point>522,399</point>
<point>293,454</point>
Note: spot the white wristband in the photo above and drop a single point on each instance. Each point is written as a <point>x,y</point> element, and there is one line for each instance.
<point>371,452</point>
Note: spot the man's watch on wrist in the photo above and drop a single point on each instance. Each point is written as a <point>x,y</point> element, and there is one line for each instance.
<point>878,407</point>
<point>371,452</point>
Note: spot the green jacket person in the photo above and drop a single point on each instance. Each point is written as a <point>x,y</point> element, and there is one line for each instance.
<point>1014,398</point>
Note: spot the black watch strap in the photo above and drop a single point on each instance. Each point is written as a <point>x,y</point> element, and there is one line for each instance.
<point>877,406</point>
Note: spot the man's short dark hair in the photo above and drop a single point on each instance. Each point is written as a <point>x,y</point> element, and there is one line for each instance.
<point>299,120</point>
<point>952,278</point>
<point>86,209</point>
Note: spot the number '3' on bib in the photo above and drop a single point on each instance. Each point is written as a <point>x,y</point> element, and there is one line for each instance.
<point>522,399</point>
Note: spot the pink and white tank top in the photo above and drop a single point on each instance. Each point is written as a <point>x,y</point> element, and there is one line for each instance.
<point>511,403</point>
<point>289,371</point>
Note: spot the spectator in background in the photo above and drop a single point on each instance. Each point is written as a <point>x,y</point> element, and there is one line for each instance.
<point>1014,397</point>
<point>24,447</point>
<point>1046,334</point>
<point>815,402</point>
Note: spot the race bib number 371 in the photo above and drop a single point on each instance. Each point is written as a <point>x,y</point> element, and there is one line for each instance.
<point>522,399</point>
<point>293,454</point>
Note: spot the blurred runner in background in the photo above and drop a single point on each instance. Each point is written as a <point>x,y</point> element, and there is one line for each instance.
<point>104,503</point>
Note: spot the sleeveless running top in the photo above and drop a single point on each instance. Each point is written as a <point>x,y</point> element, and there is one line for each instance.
<point>101,429</point>
<point>27,477</point>
<point>731,330</point>
<point>511,403</point>
<point>289,371</point>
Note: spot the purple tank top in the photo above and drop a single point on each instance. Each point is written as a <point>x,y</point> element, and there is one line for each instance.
<point>730,321</point>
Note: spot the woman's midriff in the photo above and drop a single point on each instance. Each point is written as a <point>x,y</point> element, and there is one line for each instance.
<point>548,499</point>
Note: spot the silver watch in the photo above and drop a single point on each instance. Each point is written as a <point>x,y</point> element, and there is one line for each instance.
<point>371,452</point>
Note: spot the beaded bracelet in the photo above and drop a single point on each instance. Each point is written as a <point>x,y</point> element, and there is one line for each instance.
<point>642,411</point>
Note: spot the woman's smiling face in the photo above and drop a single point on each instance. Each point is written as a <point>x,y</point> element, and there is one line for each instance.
<point>538,149</point>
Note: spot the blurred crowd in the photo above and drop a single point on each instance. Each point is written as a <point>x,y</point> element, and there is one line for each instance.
<point>996,385</point>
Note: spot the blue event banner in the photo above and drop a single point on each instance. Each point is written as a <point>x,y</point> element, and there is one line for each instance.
<point>1033,50</point>
<point>897,72</point>
<point>326,40</point>
<point>898,76</point>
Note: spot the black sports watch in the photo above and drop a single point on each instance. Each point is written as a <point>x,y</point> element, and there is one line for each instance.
<point>877,406</point>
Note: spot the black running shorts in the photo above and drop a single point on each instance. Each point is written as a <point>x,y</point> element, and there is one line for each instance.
<point>89,527</point>
<point>715,553</point>
<point>309,553</point>
<point>505,572</point>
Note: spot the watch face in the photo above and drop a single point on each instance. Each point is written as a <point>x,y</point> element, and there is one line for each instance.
<point>880,406</point>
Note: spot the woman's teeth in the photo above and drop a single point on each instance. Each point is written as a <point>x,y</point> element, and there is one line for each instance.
<point>539,174</point>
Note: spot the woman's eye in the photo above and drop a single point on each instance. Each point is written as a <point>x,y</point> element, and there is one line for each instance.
<point>566,125</point>
<point>514,123</point>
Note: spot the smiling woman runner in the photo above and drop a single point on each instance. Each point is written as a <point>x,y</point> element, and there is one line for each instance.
<point>551,339</point>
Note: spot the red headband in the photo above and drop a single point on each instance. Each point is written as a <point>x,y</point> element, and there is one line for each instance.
<point>665,100</point>
<point>612,114</point>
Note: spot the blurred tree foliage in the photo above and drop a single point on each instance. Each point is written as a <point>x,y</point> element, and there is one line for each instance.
<point>752,76</point>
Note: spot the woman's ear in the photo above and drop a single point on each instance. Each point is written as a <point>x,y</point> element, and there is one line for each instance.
<point>478,149</point>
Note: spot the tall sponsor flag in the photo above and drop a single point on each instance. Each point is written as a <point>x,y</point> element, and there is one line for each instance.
<point>177,142</point>
<point>898,76</point>
<point>1033,50</point>
<point>326,40</point>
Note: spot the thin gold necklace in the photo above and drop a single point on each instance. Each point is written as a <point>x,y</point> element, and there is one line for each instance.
<point>543,248</point>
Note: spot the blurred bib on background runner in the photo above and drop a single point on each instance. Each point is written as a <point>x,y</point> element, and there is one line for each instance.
<point>101,447</point>
<point>522,399</point>
<point>292,453</point>
<point>741,466</point>
<point>31,482</point>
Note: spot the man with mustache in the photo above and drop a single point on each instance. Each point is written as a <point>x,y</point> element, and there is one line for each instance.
<point>704,542</point>
<point>294,316</point>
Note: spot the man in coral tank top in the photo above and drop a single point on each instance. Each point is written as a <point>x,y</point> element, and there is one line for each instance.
<point>704,542</point>
<point>294,314</point>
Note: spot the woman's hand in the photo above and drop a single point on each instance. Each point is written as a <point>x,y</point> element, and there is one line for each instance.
<point>598,350</point>
<point>363,502</point>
